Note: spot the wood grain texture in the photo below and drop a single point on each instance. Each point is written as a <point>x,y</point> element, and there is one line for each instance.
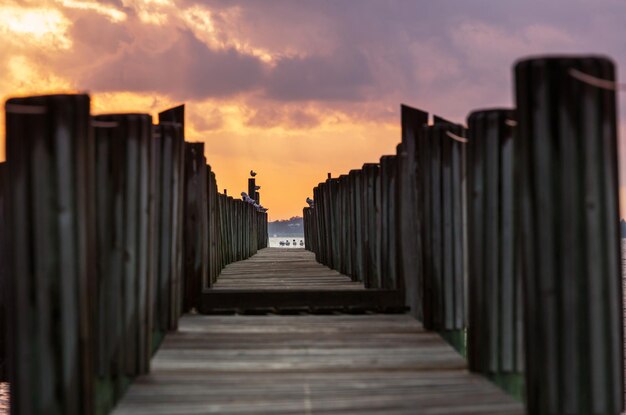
<point>276,268</point>
<point>567,214</point>
<point>383,364</point>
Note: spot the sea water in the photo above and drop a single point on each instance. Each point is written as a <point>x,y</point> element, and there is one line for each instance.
<point>276,240</point>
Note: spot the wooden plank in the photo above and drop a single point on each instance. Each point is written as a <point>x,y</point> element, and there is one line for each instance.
<point>310,364</point>
<point>282,269</point>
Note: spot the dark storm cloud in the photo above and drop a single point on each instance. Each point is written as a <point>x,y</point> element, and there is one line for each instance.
<point>185,69</point>
<point>341,76</point>
<point>448,55</point>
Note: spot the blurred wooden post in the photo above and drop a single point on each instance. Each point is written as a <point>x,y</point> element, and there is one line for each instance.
<point>306,220</point>
<point>212,231</point>
<point>328,231</point>
<point>388,167</point>
<point>5,288</point>
<point>251,187</point>
<point>443,233</point>
<point>195,225</point>
<point>567,211</point>
<point>371,212</point>
<point>174,138</point>
<point>495,315</point>
<point>167,289</point>
<point>123,182</point>
<point>50,164</point>
<point>410,209</point>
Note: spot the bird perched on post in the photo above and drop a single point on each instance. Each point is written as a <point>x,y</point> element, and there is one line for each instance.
<point>310,201</point>
<point>252,173</point>
<point>257,187</point>
<point>247,198</point>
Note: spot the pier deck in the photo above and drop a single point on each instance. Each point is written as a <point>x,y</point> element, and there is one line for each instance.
<point>306,364</point>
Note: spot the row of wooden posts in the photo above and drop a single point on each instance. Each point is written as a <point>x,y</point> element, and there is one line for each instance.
<point>506,230</point>
<point>110,228</point>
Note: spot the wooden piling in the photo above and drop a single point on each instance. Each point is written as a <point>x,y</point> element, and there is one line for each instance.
<point>567,210</point>
<point>495,314</point>
<point>195,225</point>
<point>50,161</point>
<point>410,204</point>
<point>5,288</point>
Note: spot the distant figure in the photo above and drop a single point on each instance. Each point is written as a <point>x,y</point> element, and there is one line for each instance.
<point>301,243</point>
<point>294,243</point>
<point>281,243</point>
<point>252,173</point>
<point>287,243</point>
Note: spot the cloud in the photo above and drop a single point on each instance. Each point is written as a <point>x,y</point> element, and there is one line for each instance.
<point>205,120</point>
<point>343,75</point>
<point>185,69</point>
<point>302,77</point>
<point>274,116</point>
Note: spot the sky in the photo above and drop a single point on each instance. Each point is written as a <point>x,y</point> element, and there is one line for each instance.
<point>291,88</point>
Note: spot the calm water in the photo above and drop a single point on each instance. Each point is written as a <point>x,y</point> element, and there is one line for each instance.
<point>275,242</point>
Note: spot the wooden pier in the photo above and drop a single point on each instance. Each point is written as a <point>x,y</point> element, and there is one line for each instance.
<point>129,283</point>
<point>307,364</point>
<point>284,269</point>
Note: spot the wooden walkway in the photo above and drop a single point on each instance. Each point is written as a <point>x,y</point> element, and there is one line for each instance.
<point>287,280</point>
<point>287,269</point>
<point>307,364</point>
<point>336,364</point>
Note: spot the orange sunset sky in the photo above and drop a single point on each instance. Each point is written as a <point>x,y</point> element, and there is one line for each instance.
<point>292,89</point>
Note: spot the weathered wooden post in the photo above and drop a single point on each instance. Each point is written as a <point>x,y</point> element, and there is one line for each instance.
<point>410,209</point>
<point>251,187</point>
<point>494,334</point>
<point>357,229</point>
<point>50,163</point>
<point>319,195</point>
<point>123,325</point>
<point>156,209</point>
<point>443,299</point>
<point>388,167</point>
<point>5,269</point>
<point>306,217</point>
<point>169,138</point>
<point>213,223</point>
<point>176,137</point>
<point>334,222</point>
<point>327,218</point>
<point>371,212</point>
<point>567,214</point>
<point>195,275</point>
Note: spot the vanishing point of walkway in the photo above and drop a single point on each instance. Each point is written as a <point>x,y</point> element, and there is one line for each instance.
<point>307,364</point>
<point>292,269</point>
